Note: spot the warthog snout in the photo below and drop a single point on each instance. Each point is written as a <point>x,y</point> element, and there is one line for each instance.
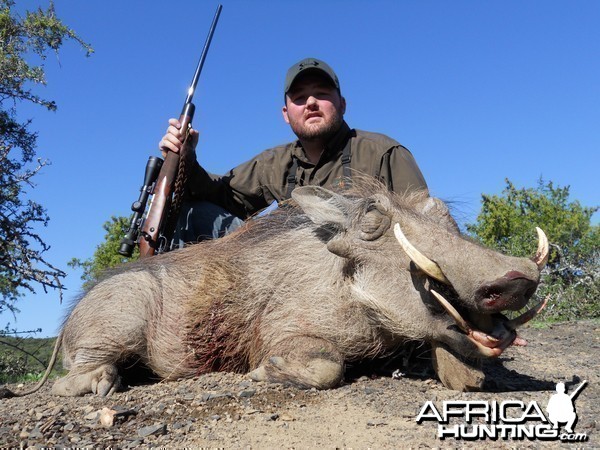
<point>510,292</point>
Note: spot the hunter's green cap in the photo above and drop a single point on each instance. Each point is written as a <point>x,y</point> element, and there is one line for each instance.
<point>309,64</point>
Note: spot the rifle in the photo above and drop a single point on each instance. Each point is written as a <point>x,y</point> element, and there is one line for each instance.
<point>578,390</point>
<point>165,181</point>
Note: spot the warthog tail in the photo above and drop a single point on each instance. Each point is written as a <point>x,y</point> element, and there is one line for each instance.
<point>7,393</point>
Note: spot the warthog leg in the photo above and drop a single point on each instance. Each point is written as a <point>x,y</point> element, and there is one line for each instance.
<point>103,381</point>
<point>456,372</point>
<point>303,362</point>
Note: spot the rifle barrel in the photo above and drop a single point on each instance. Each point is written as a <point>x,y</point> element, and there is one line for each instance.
<point>579,388</point>
<point>192,88</point>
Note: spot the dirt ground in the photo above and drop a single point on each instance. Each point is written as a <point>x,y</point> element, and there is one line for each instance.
<point>371,410</point>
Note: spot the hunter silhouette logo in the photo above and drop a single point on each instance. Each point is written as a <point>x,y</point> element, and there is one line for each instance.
<point>561,408</point>
<point>509,419</point>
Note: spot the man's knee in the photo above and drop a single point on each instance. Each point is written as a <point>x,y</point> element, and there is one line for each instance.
<point>200,221</point>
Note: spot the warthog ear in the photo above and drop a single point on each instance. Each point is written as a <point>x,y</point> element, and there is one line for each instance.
<point>322,206</point>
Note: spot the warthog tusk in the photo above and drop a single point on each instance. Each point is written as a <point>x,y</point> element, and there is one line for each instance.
<point>541,256</point>
<point>424,263</point>
<point>527,315</point>
<point>462,323</point>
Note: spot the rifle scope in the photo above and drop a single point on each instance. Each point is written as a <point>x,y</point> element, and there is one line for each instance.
<point>139,206</point>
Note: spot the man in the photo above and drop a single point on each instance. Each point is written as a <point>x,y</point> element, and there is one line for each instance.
<point>560,408</point>
<point>326,153</point>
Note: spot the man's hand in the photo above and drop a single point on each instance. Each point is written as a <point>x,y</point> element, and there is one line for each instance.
<point>174,139</point>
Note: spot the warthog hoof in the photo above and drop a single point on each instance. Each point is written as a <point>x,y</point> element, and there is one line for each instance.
<point>317,372</point>
<point>102,381</point>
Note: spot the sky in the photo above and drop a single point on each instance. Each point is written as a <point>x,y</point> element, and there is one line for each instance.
<point>477,91</point>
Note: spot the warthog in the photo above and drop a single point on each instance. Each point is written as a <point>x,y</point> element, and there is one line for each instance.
<point>295,295</point>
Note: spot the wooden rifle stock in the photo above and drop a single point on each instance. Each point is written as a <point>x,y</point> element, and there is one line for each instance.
<point>155,237</point>
<point>157,214</point>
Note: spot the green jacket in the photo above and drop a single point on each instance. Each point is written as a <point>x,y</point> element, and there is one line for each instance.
<point>255,184</point>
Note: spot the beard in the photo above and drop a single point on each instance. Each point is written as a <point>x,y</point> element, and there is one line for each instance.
<point>321,131</point>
